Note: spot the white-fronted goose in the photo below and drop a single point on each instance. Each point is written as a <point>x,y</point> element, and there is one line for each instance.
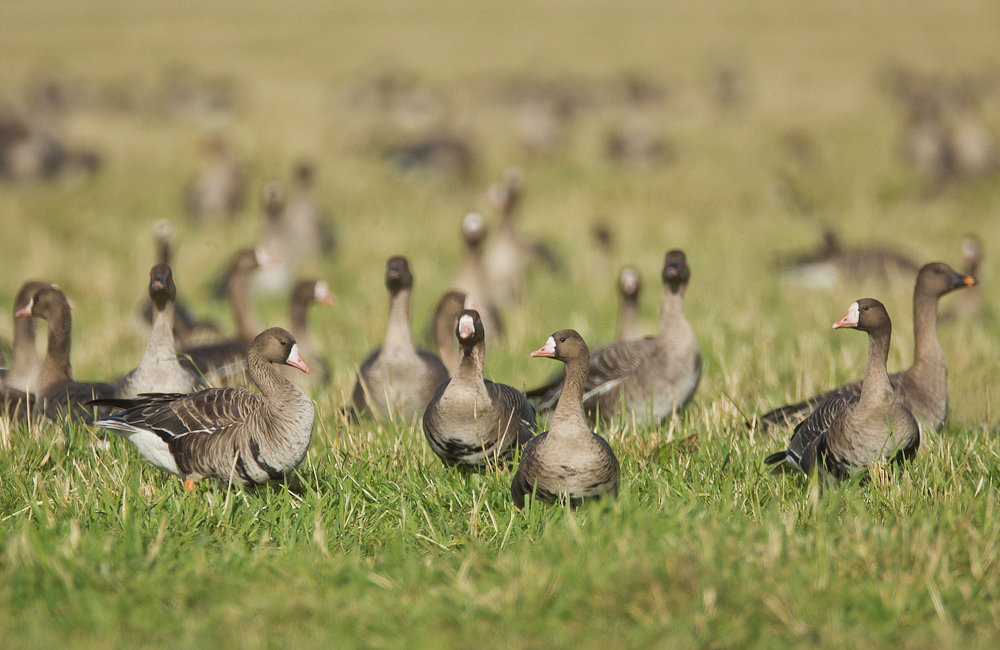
<point>472,277</point>
<point>397,380</point>
<point>307,292</point>
<point>225,358</point>
<point>832,263</point>
<point>308,226</point>
<point>472,422</point>
<point>223,433</point>
<point>445,320</point>
<point>217,193</point>
<point>569,461</point>
<point>25,365</point>
<point>848,433</point>
<point>276,241</point>
<point>59,394</point>
<point>969,303</point>
<point>654,376</point>
<point>923,387</point>
<point>160,371</point>
<point>629,284</point>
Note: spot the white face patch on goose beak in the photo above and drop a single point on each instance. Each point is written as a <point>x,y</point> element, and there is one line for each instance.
<point>25,312</point>
<point>851,319</point>
<point>323,294</point>
<point>466,327</point>
<point>265,260</point>
<point>295,361</point>
<point>547,350</point>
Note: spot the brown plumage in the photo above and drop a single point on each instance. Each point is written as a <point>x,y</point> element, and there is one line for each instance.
<point>923,387</point>
<point>568,462</point>
<point>25,365</point>
<point>252,438</point>
<point>832,262</point>
<point>445,319</point>
<point>470,421</point>
<point>305,293</point>
<point>472,276</point>
<point>629,284</point>
<point>848,433</point>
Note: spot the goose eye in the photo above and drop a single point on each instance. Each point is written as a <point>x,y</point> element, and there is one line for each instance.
<point>562,339</point>
<point>865,308</point>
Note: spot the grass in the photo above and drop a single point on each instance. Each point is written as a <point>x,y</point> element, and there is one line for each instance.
<point>386,547</point>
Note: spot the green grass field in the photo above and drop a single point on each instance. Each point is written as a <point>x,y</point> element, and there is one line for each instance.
<point>387,548</point>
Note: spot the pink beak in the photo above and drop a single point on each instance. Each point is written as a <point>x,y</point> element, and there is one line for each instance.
<point>850,320</point>
<point>24,312</point>
<point>547,350</point>
<point>295,361</point>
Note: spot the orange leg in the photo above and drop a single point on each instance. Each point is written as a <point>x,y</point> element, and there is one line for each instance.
<point>189,485</point>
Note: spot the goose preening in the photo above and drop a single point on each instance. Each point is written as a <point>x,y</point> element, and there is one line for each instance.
<point>472,422</point>
<point>160,371</point>
<point>445,319</point>
<point>472,276</point>
<point>225,433</point>
<point>397,379</point>
<point>59,394</point>
<point>848,433</point>
<point>568,462</point>
<point>305,293</point>
<point>923,387</point>
<point>629,284</point>
<point>217,192</point>
<point>25,365</point>
<point>654,376</point>
<point>833,262</point>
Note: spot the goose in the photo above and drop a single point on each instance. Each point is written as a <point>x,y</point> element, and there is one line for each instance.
<point>654,376</point>
<point>397,379</point>
<point>568,462</point>
<point>307,292</point>
<point>445,319</point>
<point>923,387</point>
<point>218,192</point>
<point>629,284</point>
<point>472,422</point>
<point>472,275</point>
<point>969,303</point>
<point>225,433</point>
<point>16,405</point>
<point>276,240</point>
<point>225,358</point>
<point>25,365</point>
<point>60,395</point>
<point>160,371</point>
<point>848,433</point>
<point>832,262</point>
<point>308,228</point>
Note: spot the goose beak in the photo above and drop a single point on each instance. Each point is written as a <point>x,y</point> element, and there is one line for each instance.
<point>295,361</point>
<point>25,312</point>
<point>547,350</point>
<point>970,281</point>
<point>324,295</point>
<point>158,285</point>
<point>850,320</point>
<point>466,327</point>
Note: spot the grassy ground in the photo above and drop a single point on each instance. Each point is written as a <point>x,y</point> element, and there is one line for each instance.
<point>387,548</point>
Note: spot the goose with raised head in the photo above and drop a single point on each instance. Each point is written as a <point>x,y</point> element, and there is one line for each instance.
<point>472,276</point>
<point>308,227</point>
<point>445,319</point>
<point>629,284</point>
<point>25,365</point>
<point>305,293</point>
<point>654,376</point>
<point>568,462</point>
<point>225,433</point>
<point>160,371</point>
<point>969,303</point>
<point>60,395</point>
<point>473,422</point>
<point>276,241</point>
<point>397,380</point>
<point>848,433</point>
<point>923,387</point>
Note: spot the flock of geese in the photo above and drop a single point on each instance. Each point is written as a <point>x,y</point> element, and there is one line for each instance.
<point>167,408</point>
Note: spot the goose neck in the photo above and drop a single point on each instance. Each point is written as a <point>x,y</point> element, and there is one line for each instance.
<point>397,334</point>
<point>569,416</point>
<point>926,346</point>
<point>56,368</point>
<point>876,382</point>
<point>247,325</point>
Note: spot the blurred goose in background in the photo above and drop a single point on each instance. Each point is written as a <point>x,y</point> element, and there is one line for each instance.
<point>397,380</point>
<point>629,284</point>
<point>225,433</point>
<point>847,433</point>
<point>636,141</point>
<point>217,193</point>
<point>445,320</point>
<point>654,376</point>
<point>969,303</point>
<point>445,155</point>
<point>276,240</point>
<point>472,422</point>
<point>25,365</point>
<point>923,387</point>
<point>305,293</point>
<point>832,263</point>
<point>472,277</point>
<point>60,395</point>
<point>568,462</point>
<point>225,358</point>
<point>160,371</point>
<point>308,226</point>
<point>33,152</point>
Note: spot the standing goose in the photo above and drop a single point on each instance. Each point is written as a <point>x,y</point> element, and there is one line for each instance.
<point>397,379</point>
<point>307,292</point>
<point>629,284</point>
<point>473,422</point>
<point>25,365</point>
<point>848,433</point>
<point>569,461</point>
<point>255,438</point>
<point>276,240</point>
<point>59,393</point>
<point>308,226</point>
<point>445,319</point>
<point>654,376</point>
<point>160,371</point>
<point>923,387</point>
<point>472,275</point>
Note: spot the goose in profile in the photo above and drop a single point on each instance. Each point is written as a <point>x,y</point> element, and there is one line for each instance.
<point>305,293</point>
<point>629,284</point>
<point>848,433</point>
<point>60,395</point>
<point>225,433</point>
<point>160,371</point>
<point>473,422</point>
<point>445,320</point>
<point>832,263</point>
<point>654,376</point>
<point>25,366</point>
<point>217,193</point>
<point>397,380</point>
<point>472,275</point>
<point>568,462</point>
<point>923,387</point>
